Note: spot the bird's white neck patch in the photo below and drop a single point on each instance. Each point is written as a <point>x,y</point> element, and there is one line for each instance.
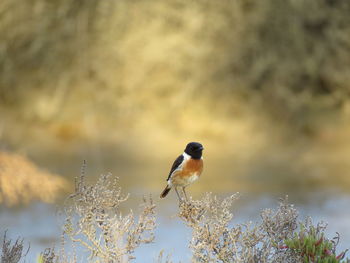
<point>186,156</point>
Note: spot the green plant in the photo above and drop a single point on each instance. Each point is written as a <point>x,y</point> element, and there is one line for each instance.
<point>312,245</point>
<point>48,256</point>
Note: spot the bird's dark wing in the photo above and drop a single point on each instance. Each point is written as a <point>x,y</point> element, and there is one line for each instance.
<point>176,164</point>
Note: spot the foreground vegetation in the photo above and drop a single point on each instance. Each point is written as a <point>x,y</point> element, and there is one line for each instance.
<point>94,223</point>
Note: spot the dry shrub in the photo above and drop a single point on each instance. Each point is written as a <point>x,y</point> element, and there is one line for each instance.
<point>12,253</point>
<point>215,237</point>
<point>212,237</point>
<point>280,224</point>
<point>95,222</point>
<point>21,181</point>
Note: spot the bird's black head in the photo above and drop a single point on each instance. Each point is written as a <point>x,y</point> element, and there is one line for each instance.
<point>194,149</point>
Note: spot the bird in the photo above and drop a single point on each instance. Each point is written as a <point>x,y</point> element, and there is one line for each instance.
<point>185,170</point>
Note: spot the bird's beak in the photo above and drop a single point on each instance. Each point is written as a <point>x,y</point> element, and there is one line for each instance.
<point>201,148</point>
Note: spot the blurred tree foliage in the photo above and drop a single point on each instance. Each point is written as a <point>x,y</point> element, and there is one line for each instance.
<point>296,55</point>
<point>290,58</point>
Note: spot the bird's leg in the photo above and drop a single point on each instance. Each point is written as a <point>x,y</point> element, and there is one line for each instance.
<point>183,190</point>
<point>180,199</point>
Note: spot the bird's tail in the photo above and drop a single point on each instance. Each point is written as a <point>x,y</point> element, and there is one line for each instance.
<point>165,191</point>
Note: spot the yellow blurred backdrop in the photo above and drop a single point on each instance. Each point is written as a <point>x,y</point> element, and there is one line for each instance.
<point>264,85</point>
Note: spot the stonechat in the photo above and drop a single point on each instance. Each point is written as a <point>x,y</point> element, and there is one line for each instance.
<point>186,169</point>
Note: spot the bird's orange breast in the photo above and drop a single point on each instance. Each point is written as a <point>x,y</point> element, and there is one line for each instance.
<point>189,173</point>
<point>192,166</point>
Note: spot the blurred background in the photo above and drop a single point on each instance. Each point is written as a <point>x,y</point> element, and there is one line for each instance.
<point>125,84</point>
